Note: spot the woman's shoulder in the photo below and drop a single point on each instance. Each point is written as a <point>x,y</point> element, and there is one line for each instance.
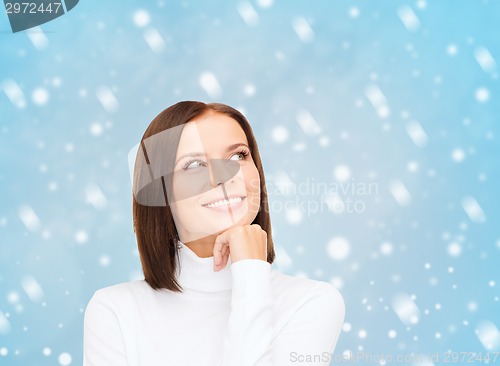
<point>120,293</point>
<point>300,290</point>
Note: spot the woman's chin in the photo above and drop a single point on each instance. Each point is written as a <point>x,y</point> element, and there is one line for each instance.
<point>220,226</point>
<point>209,224</point>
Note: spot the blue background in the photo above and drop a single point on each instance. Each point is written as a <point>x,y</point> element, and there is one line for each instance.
<point>65,201</point>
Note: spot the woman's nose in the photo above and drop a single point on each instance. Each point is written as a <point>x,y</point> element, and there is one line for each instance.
<point>222,170</point>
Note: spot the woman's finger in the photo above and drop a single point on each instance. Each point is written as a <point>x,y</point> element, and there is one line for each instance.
<point>217,252</point>
<point>220,242</point>
<point>225,256</point>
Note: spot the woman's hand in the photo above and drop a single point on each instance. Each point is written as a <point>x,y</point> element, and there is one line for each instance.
<point>240,242</point>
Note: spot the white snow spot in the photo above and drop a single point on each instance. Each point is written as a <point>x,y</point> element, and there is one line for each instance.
<point>265,3</point>
<point>452,49</point>
<point>154,40</point>
<point>307,122</point>
<point>409,18</point>
<point>96,129</point>
<point>338,248</point>
<point>354,12</point>
<point>392,334</point>
<point>64,359</point>
<point>299,146</point>
<point>485,59</point>
<point>4,324</point>
<point>386,248</point>
<point>303,29</point>
<point>56,81</point>
<point>4,351</point>
<point>473,209</point>
<point>249,90</point>
<point>141,18</point>
<point>81,236</point>
<point>14,93</point>
<point>482,95</point>
<point>488,335</point>
<point>421,4</point>
<point>417,133</point>
<point>209,83</point>
<point>293,215</point>
<point>412,166</point>
<point>38,38</point>
<point>13,297</point>
<point>107,99</point>
<point>454,249</point>
<point>342,173</point>
<point>458,155</point>
<point>334,202</point>
<point>46,351</point>
<point>104,260</point>
<point>29,218</point>
<point>362,334</point>
<point>284,183</point>
<point>95,197</point>
<point>248,13</point>
<point>279,134</point>
<point>40,96</point>
<point>377,100</point>
<point>472,306</point>
<point>324,141</point>
<point>32,288</point>
<point>400,193</point>
<point>406,309</point>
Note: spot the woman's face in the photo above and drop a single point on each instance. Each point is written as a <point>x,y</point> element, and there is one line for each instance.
<point>216,184</point>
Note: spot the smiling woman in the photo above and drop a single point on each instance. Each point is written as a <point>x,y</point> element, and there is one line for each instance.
<point>209,295</point>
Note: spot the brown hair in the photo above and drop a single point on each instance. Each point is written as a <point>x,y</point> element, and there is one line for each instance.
<point>154,225</point>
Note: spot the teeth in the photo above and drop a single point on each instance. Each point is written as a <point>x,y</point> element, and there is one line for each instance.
<point>223,202</point>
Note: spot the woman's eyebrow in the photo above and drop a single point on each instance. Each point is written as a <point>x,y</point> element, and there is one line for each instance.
<point>198,154</point>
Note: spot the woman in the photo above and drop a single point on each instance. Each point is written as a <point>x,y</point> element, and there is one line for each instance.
<point>209,296</point>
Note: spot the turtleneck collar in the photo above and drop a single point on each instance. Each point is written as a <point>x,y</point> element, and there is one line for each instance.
<point>197,273</point>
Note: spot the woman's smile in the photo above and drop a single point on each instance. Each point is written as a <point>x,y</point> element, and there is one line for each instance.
<point>224,205</point>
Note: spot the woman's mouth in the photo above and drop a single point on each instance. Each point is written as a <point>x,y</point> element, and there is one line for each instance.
<point>224,205</point>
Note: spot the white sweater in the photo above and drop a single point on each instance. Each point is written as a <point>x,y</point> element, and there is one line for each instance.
<point>246,314</point>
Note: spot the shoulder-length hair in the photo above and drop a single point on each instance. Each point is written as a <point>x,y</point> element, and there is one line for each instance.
<point>154,225</point>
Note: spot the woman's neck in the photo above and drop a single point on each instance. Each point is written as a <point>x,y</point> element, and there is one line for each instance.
<point>203,247</point>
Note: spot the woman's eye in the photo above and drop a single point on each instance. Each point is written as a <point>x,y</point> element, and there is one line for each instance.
<point>240,155</point>
<point>193,164</point>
